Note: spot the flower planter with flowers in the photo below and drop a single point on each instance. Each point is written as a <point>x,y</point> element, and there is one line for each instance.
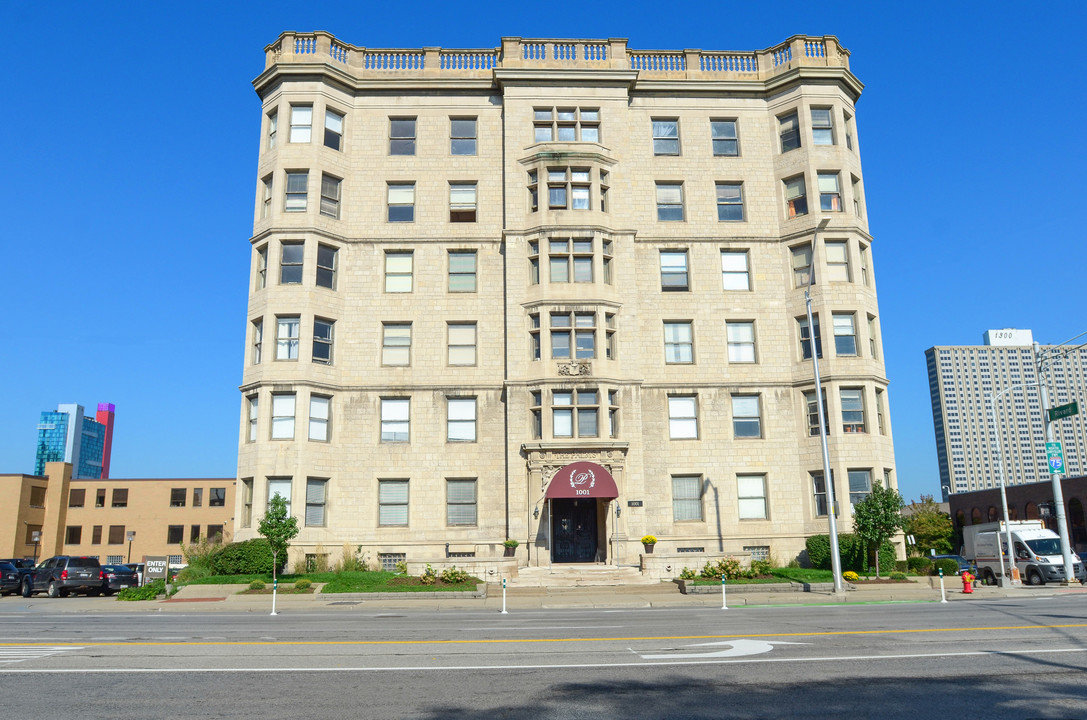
<point>510,547</point>
<point>648,542</point>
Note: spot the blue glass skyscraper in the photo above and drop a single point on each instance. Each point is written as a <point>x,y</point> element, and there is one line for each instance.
<point>66,435</point>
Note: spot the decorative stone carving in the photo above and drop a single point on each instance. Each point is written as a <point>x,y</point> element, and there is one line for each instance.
<point>576,369</point>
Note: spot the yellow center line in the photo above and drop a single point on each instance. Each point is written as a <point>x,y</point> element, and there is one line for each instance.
<point>499,641</point>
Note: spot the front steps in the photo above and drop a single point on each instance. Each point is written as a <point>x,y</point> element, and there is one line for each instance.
<point>580,575</point>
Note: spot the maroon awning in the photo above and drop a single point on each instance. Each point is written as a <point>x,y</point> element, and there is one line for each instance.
<point>582,480</point>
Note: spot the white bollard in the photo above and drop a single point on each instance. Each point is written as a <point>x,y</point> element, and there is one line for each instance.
<point>943,595</point>
<point>275,585</point>
<point>504,597</point>
<point>723,605</point>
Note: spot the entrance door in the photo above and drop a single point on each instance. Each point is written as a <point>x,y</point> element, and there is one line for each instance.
<point>573,530</point>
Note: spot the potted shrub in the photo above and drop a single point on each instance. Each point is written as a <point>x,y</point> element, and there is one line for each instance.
<point>648,542</point>
<point>511,547</point>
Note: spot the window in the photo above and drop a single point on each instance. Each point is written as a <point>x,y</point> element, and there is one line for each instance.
<point>838,261</point>
<point>398,272</point>
<point>326,266</point>
<point>462,202</point>
<point>606,260</point>
<point>609,336</point>
<point>669,202</point>
<point>297,187</point>
<point>120,498</point>
<point>801,260</point>
<point>194,534</point>
<point>316,490</point>
<point>73,534</point>
<point>789,131</point>
<point>751,493</point>
<point>819,489</point>
<point>266,198</point>
<point>395,422</point>
<point>725,139</point>
<point>100,498</point>
<point>402,136</point>
<point>174,534</point>
<point>873,337</point>
<point>333,129</point>
<point>573,332</point>
<point>262,267</point>
<point>849,131</point>
<point>830,195</point>
<point>462,136</point>
<point>215,534</point>
<point>613,413</point>
<point>683,417</point>
<point>301,123</point>
<point>462,344</point>
<point>674,270</point>
<point>734,272</point>
<point>37,497</point>
<point>258,339</point>
<point>741,342</point>
<point>570,266</point>
<point>566,124</point>
<point>283,416</point>
<point>533,190</point>
<point>822,126</point>
<point>879,413</point>
<point>462,271</point>
<point>76,497</point>
<point>575,408</point>
<point>392,498</point>
<point>860,485</point>
<point>273,128</point>
<point>402,202</point>
<point>96,535</point>
<point>813,412</point>
<point>290,262</point>
<point>254,415</point>
<point>217,497</point>
<point>287,338</point>
<point>845,334</point>
<point>247,502</point>
<point>330,196</point>
<point>568,188</point>
<point>796,198</point>
<point>460,502</point>
<point>730,202</point>
<point>853,410</point>
<point>864,264</point>
<point>198,497</point>
<point>805,338</point>
<point>322,340</point>
<point>318,417</point>
<point>461,419</point>
<point>280,486</point>
<point>678,342</point>
<point>686,497</point>
<point>396,344</point>
<point>177,497</point>
<point>746,422</point>
<point>666,137</point>
<point>116,535</point>
<point>856,183</point>
<point>537,413</point>
<point>604,186</point>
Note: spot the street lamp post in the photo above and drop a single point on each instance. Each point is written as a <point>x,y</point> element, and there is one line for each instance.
<point>1012,576</point>
<point>828,481</point>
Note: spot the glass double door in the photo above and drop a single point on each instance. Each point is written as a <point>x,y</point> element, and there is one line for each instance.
<point>575,533</point>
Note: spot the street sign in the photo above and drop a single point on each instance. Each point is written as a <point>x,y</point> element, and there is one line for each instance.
<point>155,567</point>
<point>1063,411</point>
<point>1056,459</point>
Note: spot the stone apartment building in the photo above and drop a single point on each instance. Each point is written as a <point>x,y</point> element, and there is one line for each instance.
<point>554,291</point>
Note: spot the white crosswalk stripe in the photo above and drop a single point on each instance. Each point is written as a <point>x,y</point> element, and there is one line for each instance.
<point>15,654</point>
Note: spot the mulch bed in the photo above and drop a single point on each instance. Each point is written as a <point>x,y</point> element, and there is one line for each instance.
<point>413,581</point>
<point>880,581</point>
<point>281,591</point>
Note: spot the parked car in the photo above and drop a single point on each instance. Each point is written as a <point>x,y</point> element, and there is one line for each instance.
<point>23,566</point>
<point>63,574</point>
<point>117,577</point>
<point>138,569</point>
<point>10,579</point>
<point>964,564</point>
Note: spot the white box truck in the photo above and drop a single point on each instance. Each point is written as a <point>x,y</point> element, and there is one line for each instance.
<point>1037,552</point>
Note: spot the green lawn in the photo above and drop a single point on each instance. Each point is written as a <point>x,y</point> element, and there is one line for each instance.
<point>802,575</point>
<point>346,582</point>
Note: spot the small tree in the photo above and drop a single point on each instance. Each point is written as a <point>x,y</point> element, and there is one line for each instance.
<point>878,516</point>
<point>931,528</point>
<point>278,528</point>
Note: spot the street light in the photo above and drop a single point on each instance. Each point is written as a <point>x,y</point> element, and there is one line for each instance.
<point>828,481</point>
<point>131,536</point>
<point>1013,575</point>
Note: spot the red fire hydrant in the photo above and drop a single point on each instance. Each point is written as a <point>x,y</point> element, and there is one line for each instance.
<point>967,582</point>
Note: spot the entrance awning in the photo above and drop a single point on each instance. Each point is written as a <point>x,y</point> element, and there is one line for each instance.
<point>582,480</point>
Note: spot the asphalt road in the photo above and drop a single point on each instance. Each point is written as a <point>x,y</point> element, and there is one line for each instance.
<point>1010,658</point>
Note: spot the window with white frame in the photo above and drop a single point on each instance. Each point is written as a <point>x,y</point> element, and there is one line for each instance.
<point>287,337</point>
<point>301,123</point>
<point>730,202</point>
<point>570,260</point>
<point>322,340</point>
<point>247,502</point>
<point>734,270</point>
<point>578,409</point>
<point>686,497</point>
<point>613,413</point>
<point>568,188</point>
<point>849,131</point>
<point>674,270</point>
<point>669,201</point>
<point>665,136</point>
<point>805,337</point>
<point>401,202</point>
<point>726,142</point>
<point>319,406</point>
<point>290,263</point>
<point>606,258</point>
<point>830,194</point>
<point>283,416</point>
<point>396,344</point>
<point>860,485</point>
<point>330,196</point>
<point>395,419</point>
<point>402,136</point>
<point>741,342</point>
<point>273,128</point>
<point>801,263</point>
<point>258,339</point>
<point>392,500</point>
<point>536,413</point>
<point>262,267</point>
<point>746,421</point>
<point>533,190</point>
<point>462,343</point>
<point>819,492</point>
<point>853,410</point>
<point>326,266</point>
<point>789,132</point>
<point>460,420</point>
<point>856,187</point>
<point>566,124</point>
<point>864,264</point>
<point>879,413</point>
<point>796,197</point>
<point>254,416</point>
<point>845,334</point>
<point>838,269</point>
<point>462,202</point>
<point>822,126</point>
<point>316,500</point>
<point>678,342</point>
<point>266,197</point>
<point>873,337</point>
<point>751,494</point>
<point>683,417</point>
<point>812,404</point>
<point>462,136</point>
<point>398,275</point>
<point>462,271</point>
<point>460,502</point>
<point>333,129</point>
<point>573,333</point>
<point>297,187</point>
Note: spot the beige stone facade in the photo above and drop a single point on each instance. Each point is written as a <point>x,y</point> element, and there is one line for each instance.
<point>94,517</point>
<point>472,268</point>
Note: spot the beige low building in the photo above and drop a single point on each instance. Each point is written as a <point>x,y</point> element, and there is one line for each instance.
<point>97,517</point>
<point>554,291</point>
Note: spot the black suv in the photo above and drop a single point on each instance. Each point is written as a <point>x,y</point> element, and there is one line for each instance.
<point>63,574</point>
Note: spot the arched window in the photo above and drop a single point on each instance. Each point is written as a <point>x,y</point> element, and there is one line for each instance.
<point>1031,511</point>
<point>993,515</point>
<point>960,519</point>
<point>975,517</point>
<point>1013,512</point>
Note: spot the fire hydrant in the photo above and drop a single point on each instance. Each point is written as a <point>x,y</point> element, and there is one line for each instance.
<point>968,582</point>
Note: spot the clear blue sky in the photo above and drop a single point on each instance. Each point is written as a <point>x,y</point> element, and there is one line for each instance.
<point>131,137</point>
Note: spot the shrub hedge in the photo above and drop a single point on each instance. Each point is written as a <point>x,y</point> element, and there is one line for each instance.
<point>852,552</point>
<point>244,558</point>
<point>949,566</point>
